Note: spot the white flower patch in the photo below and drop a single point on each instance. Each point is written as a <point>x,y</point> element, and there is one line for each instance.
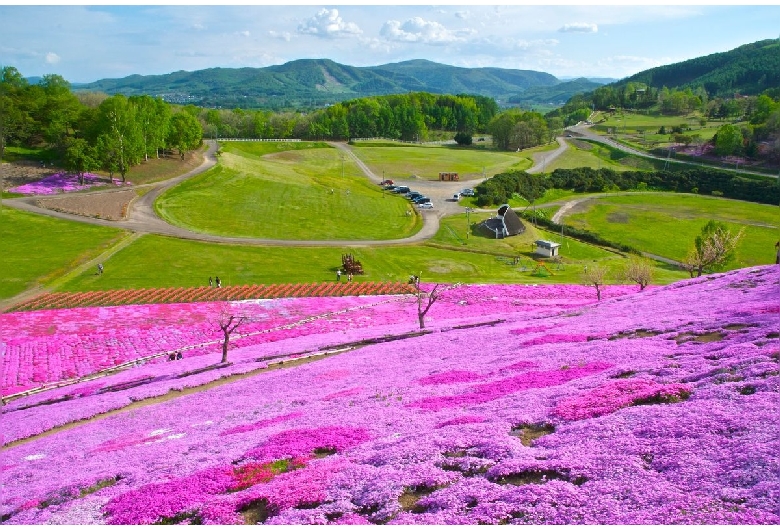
<point>34,457</point>
<point>158,432</point>
<point>177,435</point>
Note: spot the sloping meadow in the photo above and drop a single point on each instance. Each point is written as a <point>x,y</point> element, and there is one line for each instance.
<point>657,407</point>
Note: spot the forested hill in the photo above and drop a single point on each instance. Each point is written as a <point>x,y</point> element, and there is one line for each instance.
<point>316,82</point>
<point>748,70</point>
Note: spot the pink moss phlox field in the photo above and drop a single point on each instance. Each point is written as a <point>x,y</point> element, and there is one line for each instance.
<point>667,415</point>
<point>300,442</point>
<point>618,394</point>
<point>63,183</point>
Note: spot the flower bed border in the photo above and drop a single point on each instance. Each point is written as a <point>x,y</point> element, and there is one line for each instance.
<point>208,294</point>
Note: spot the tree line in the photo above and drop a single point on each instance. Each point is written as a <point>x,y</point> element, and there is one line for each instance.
<point>501,187</point>
<point>91,131</point>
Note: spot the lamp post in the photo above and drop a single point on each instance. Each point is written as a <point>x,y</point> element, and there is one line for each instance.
<point>468,222</point>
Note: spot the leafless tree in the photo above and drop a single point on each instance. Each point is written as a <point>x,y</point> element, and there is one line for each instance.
<point>595,276</point>
<point>426,299</point>
<point>638,270</point>
<point>712,249</point>
<point>229,322</point>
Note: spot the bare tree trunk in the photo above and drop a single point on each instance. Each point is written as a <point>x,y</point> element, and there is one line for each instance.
<point>225,347</point>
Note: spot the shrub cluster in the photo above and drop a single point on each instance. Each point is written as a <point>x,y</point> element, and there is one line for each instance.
<point>500,188</point>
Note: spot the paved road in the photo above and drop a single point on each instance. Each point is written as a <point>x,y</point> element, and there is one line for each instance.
<point>142,218</point>
<point>583,131</point>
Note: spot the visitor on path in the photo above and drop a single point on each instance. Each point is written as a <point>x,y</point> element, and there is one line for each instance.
<point>178,356</point>
<point>211,284</point>
<point>218,281</point>
<point>349,277</point>
<point>338,275</point>
<point>100,268</point>
<point>172,357</point>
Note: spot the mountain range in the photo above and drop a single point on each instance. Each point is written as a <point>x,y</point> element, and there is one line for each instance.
<point>319,82</point>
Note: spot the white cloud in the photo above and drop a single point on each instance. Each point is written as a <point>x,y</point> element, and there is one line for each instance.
<point>579,27</point>
<point>52,58</point>
<point>418,30</point>
<point>462,14</point>
<point>244,33</point>
<point>328,24</point>
<point>281,35</point>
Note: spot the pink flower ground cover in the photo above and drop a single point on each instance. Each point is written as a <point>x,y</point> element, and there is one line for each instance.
<point>667,416</point>
<point>53,345</point>
<point>62,183</point>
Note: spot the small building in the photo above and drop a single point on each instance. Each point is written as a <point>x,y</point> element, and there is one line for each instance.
<point>548,249</point>
<point>505,223</point>
<point>448,176</point>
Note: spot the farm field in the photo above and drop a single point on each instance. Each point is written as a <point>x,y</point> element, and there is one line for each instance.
<point>667,224</point>
<point>286,190</point>
<point>403,161</point>
<point>519,405</point>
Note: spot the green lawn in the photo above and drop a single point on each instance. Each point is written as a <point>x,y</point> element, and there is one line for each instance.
<point>37,249</point>
<point>292,190</point>
<point>190,263</point>
<point>427,162</point>
<point>588,154</point>
<point>667,224</point>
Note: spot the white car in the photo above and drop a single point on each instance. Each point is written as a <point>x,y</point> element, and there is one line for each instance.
<point>425,206</point>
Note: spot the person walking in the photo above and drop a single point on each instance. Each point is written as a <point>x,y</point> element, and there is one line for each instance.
<point>218,282</point>
<point>211,284</point>
<point>349,277</point>
<point>100,268</point>
<point>338,275</point>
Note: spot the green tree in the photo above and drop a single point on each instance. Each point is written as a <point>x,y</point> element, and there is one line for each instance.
<point>80,158</point>
<point>185,133</point>
<point>713,248</point>
<point>728,140</point>
<point>120,142</point>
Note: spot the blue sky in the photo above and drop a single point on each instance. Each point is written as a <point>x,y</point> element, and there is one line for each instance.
<point>90,42</point>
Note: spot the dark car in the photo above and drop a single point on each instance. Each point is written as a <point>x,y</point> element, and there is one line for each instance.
<point>401,189</point>
<point>420,200</point>
<point>413,195</point>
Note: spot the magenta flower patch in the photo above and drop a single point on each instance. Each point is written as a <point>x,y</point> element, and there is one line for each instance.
<point>63,183</point>
<point>301,442</point>
<point>618,394</point>
<point>262,423</point>
<point>452,376</point>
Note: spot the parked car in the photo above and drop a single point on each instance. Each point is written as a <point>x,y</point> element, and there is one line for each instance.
<point>413,195</point>
<point>425,206</point>
<point>467,192</point>
<point>390,187</point>
<point>456,197</point>
<point>420,200</point>
<point>386,182</point>
<point>401,189</point>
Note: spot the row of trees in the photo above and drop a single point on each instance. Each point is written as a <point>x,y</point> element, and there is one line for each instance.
<point>404,116</point>
<point>91,131</point>
<point>517,129</point>
<point>500,188</point>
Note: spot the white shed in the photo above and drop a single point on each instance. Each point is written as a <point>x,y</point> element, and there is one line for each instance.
<point>547,248</point>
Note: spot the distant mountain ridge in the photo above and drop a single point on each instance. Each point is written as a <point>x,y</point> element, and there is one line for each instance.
<point>318,82</point>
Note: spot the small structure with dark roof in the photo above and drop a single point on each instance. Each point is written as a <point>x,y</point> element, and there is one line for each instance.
<point>547,248</point>
<point>505,223</point>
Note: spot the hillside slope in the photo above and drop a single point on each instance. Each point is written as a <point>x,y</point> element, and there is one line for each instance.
<point>321,81</point>
<point>657,407</point>
<point>748,69</point>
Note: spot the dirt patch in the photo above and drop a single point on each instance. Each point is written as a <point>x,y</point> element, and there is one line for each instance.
<point>23,172</point>
<point>111,205</point>
<point>617,217</point>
